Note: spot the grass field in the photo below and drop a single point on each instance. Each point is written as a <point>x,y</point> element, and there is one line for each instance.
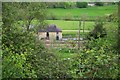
<point>90,11</point>
<point>71,25</point>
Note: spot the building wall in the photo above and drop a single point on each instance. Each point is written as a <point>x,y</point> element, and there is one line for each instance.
<point>60,35</point>
<point>42,35</point>
<point>52,35</point>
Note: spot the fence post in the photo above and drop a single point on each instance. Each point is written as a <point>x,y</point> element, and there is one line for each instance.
<point>79,36</point>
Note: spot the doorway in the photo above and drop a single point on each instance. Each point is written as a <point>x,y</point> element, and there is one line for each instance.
<point>57,36</point>
<point>47,35</point>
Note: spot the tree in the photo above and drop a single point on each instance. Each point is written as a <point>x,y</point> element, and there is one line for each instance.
<point>31,11</point>
<point>98,31</point>
<point>69,5</point>
<point>23,55</point>
<point>16,45</point>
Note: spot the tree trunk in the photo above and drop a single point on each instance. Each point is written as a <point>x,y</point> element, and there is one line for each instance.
<point>119,27</point>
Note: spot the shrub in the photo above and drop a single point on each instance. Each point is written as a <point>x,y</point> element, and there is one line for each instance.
<point>28,58</point>
<point>81,4</point>
<point>99,3</point>
<point>112,17</point>
<point>98,31</point>
<point>15,48</point>
<point>61,5</point>
<point>96,61</point>
<point>16,66</point>
<point>47,65</point>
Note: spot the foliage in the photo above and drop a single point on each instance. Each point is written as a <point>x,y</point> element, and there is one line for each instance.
<point>61,5</point>
<point>99,3</point>
<point>16,46</point>
<point>47,65</point>
<point>26,12</point>
<point>96,61</point>
<point>52,4</point>
<point>118,43</point>
<point>68,5</point>
<point>16,66</point>
<point>81,4</point>
<point>32,11</point>
<point>113,17</point>
<point>98,30</point>
<point>23,55</point>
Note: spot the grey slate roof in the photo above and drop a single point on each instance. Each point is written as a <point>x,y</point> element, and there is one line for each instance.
<point>51,28</point>
<point>42,30</point>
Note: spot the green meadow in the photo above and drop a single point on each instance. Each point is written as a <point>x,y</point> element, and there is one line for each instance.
<point>71,25</point>
<point>90,11</point>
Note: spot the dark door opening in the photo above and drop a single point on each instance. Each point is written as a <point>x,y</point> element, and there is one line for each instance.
<point>47,35</point>
<point>57,36</point>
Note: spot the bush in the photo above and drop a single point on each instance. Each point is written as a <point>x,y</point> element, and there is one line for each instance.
<point>98,31</point>
<point>81,4</point>
<point>69,5</point>
<point>97,61</point>
<point>25,57</point>
<point>112,17</point>
<point>99,3</point>
<point>15,48</point>
<point>61,5</point>
<point>16,66</point>
<point>47,65</point>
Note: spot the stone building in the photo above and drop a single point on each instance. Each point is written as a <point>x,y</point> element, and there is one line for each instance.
<point>52,32</point>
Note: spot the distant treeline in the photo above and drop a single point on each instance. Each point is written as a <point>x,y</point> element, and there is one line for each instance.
<point>75,4</point>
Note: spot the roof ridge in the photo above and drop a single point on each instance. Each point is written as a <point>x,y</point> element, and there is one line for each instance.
<point>52,28</point>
